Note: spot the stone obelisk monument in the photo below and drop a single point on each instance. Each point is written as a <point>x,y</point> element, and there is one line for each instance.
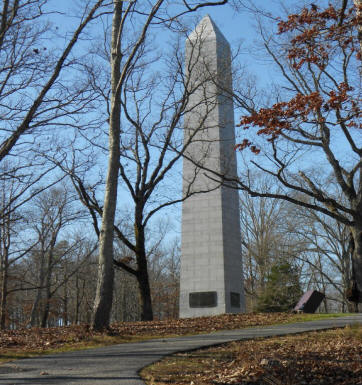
<point>211,267</point>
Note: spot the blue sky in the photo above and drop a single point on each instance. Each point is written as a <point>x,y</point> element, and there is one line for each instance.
<point>235,27</point>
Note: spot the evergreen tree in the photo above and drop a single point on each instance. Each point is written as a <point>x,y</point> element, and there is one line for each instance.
<point>282,290</point>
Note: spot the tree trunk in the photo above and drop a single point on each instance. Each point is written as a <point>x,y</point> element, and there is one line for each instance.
<point>45,315</point>
<point>104,292</point>
<point>357,260</point>
<point>142,276</point>
<point>347,276</point>
<point>65,311</point>
<point>34,315</point>
<point>44,319</point>
<point>4,268</point>
<point>77,301</point>
<point>65,299</point>
<point>4,292</point>
<point>145,294</point>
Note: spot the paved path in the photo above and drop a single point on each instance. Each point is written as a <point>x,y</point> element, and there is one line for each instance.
<point>119,364</point>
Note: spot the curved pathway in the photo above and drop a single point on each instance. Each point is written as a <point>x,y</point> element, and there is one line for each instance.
<point>120,364</point>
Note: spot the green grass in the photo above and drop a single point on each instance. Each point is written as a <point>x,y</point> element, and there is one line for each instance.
<point>319,316</point>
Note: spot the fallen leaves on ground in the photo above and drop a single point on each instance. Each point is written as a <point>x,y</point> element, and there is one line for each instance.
<point>44,339</point>
<point>318,358</point>
<point>202,324</point>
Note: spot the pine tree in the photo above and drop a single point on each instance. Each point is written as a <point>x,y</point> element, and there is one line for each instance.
<point>282,290</point>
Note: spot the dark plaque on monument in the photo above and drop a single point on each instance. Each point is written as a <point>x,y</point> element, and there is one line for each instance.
<point>309,301</point>
<point>203,299</point>
<point>234,299</point>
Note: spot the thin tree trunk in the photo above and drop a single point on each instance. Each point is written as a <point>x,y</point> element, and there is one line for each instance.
<point>5,240</point>
<point>48,295</point>
<point>44,319</point>
<point>65,310</point>
<point>34,315</point>
<point>4,292</point>
<point>65,299</point>
<point>104,292</point>
<point>77,301</point>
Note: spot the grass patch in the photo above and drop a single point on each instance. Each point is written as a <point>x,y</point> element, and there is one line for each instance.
<point>319,316</point>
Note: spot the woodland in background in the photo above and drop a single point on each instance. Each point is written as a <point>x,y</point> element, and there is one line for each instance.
<point>49,266</point>
<point>53,153</point>
<point>305,134</point>
<point>52,266</point>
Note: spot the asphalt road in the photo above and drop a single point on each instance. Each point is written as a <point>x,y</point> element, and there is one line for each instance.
<point>120,364</point>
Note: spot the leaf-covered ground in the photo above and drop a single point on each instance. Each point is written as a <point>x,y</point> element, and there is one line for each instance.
<point>323,358</point>
<point>23,342</point>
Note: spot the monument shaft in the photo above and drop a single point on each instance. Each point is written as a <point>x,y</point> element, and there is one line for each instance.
<point>211,265</point>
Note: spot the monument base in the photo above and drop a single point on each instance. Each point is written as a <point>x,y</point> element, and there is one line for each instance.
<point>209,303</point>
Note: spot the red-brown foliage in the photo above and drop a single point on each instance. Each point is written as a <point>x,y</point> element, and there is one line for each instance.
<point>315,38</point>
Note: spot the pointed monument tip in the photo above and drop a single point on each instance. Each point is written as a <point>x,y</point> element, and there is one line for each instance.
<point>207,29</point>
<point>207,16</point>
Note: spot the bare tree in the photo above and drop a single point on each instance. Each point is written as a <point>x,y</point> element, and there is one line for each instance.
<point>163,273</point>
<point>312,114</point>
<point>16,188</point>
<point>151,146</point>
<point>32,93</point>
<point>165,281</point>
<point>51,214</point>
<point>267,239</point>
<point>8,223</point>
<point>328,253</point>
<point>126,55</point>
<point>74,281</point>
<point>35,95</point>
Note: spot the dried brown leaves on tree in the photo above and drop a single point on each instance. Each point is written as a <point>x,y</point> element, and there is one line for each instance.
<point>315,114</point>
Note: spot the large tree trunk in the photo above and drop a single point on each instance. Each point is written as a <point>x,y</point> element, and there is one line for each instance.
<point>104,292</point>
<point>357,261</point>
<point>142,273</point>
<point>145,291</point>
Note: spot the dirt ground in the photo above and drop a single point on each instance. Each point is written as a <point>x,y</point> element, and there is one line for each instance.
<point>320,358</point>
